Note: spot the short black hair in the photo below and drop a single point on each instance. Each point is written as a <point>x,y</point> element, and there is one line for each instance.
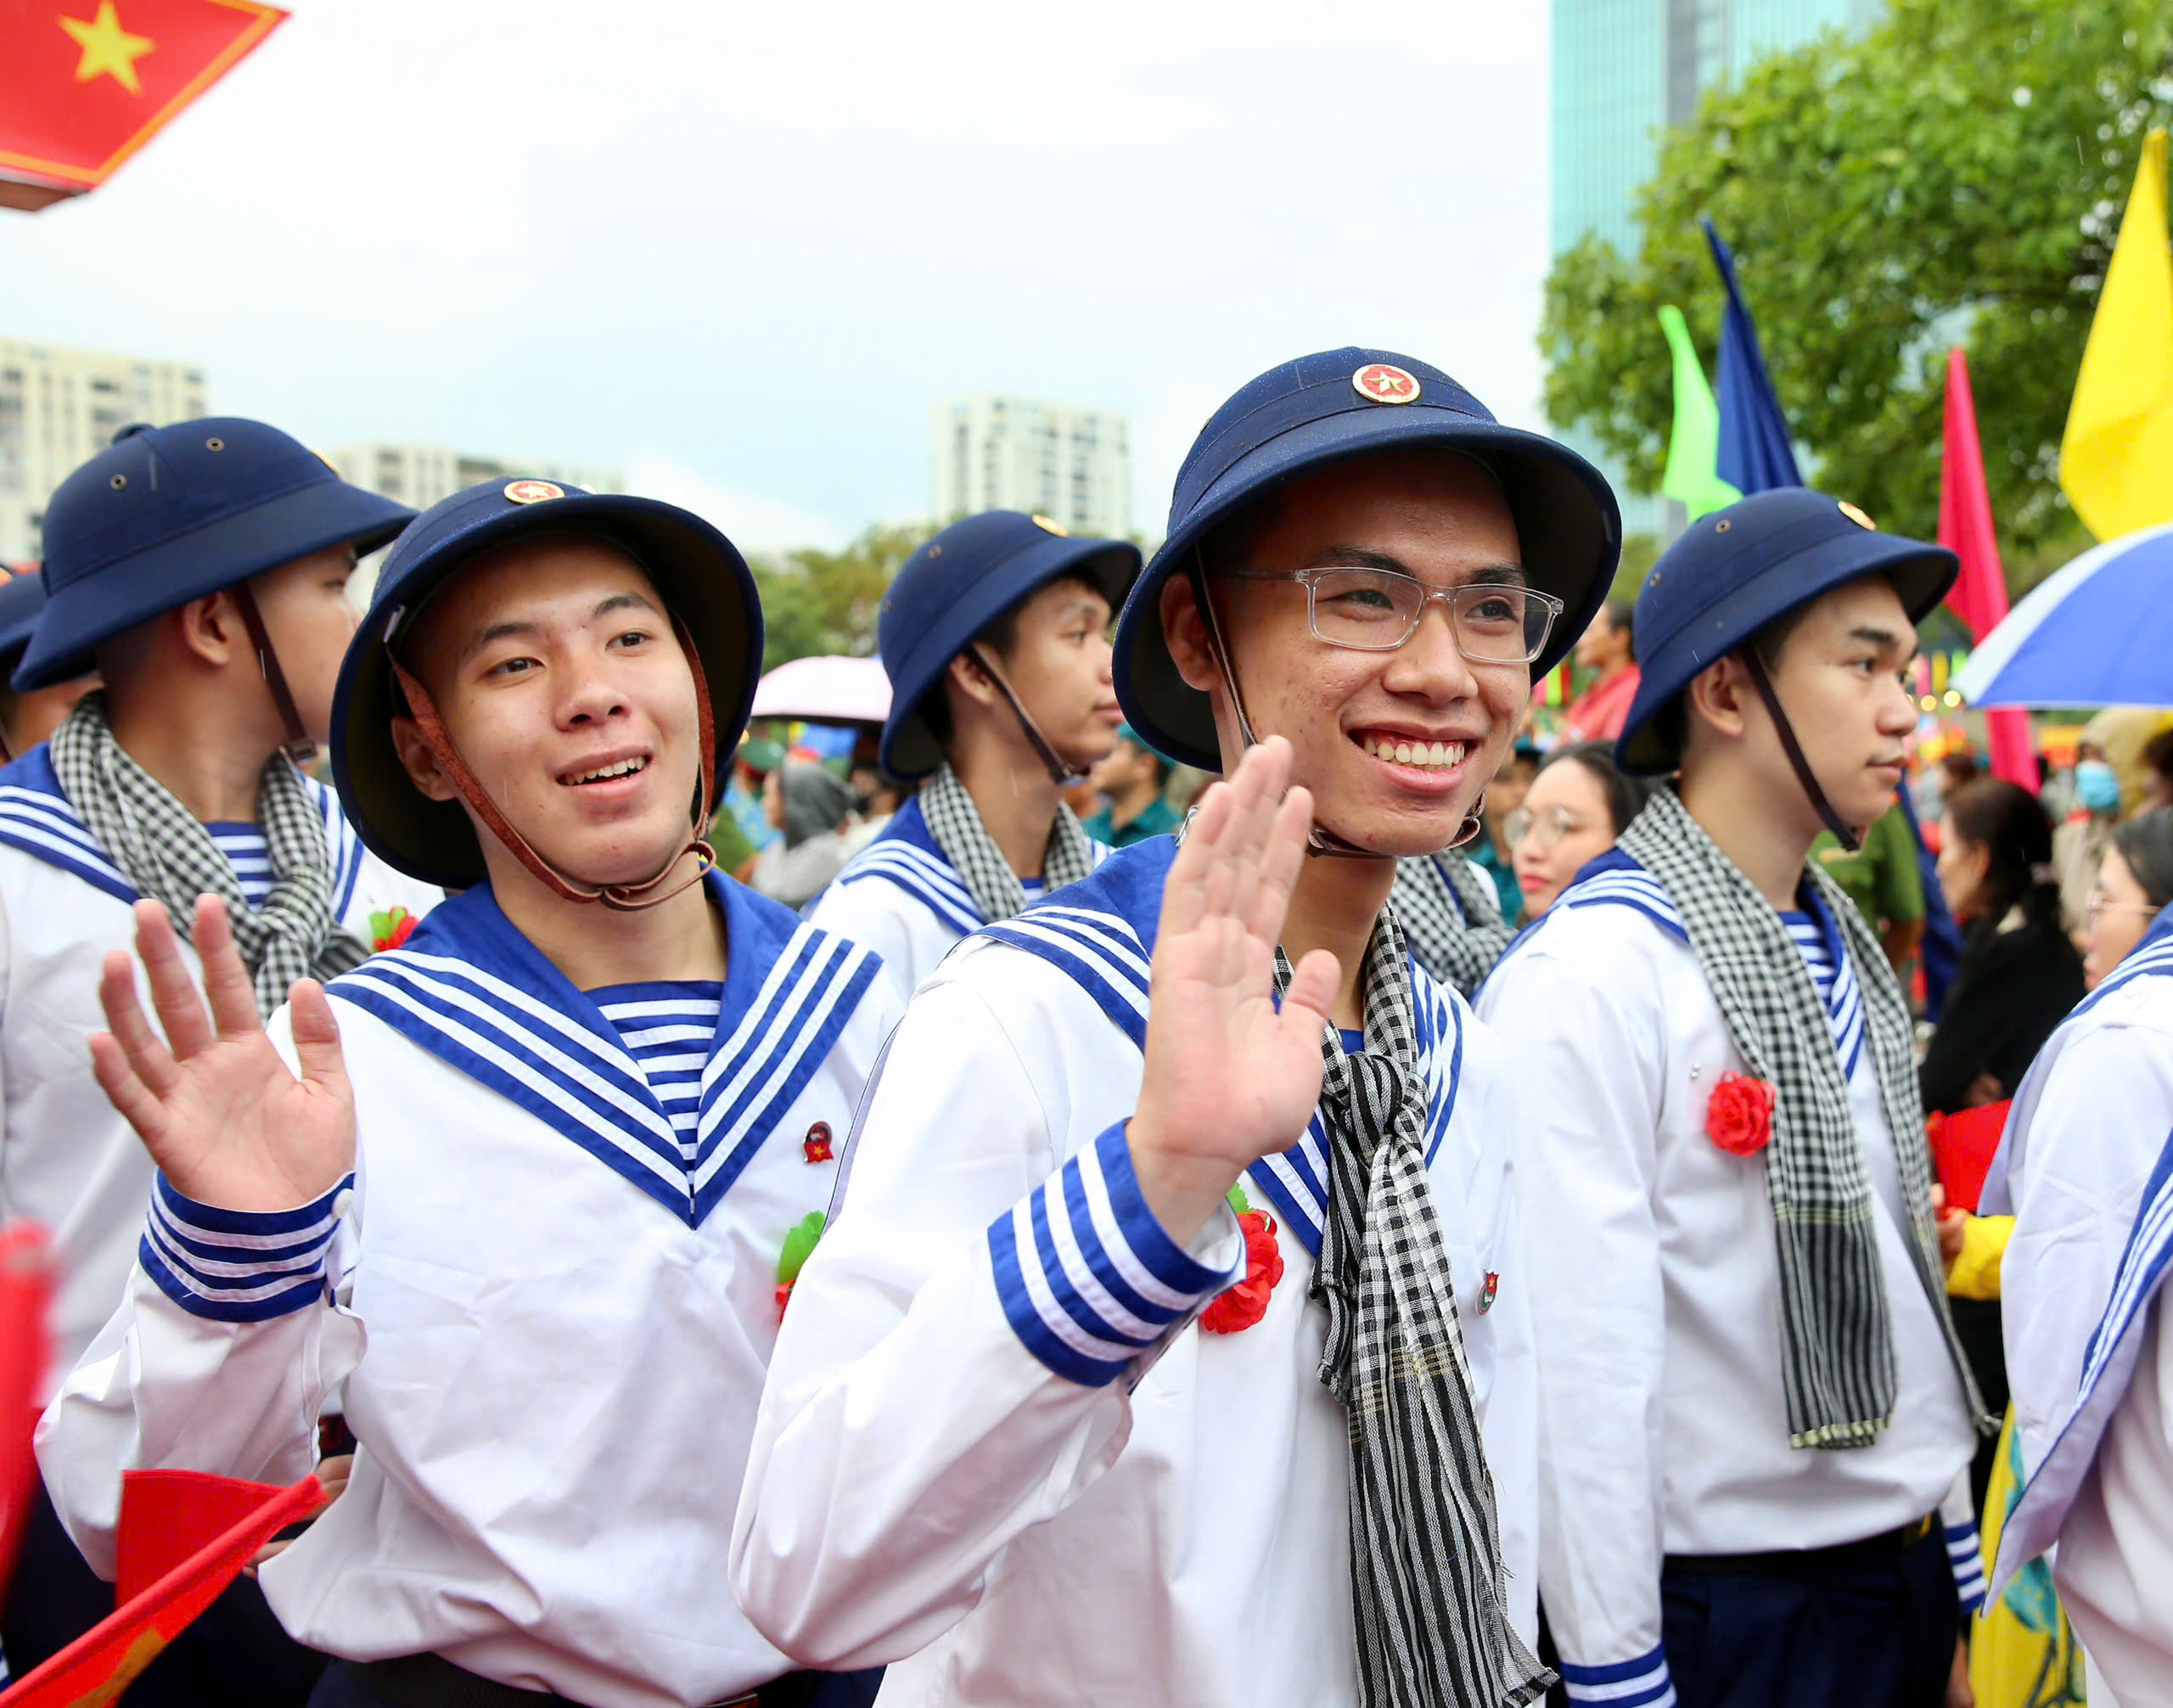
<point>2146,843</point>
<point>1000,637</point>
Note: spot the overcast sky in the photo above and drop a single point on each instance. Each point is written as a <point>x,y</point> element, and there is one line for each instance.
<point>736,248</point>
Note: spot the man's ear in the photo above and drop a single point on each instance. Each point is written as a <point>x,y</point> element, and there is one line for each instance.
<point>420,763</point>
<point>1720,695</point>
<point>964,675</point>
<point>210,629</point>
<point>1185,632</point>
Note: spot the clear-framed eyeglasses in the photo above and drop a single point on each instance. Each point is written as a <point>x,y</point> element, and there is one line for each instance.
<point>2100,902</point>
<point>1544,829</point>
<point>1378,610</point>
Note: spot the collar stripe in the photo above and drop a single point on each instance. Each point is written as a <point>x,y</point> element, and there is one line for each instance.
<point>926,877</point>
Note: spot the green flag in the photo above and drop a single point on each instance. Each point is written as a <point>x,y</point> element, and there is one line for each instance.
<point>1693,449</point>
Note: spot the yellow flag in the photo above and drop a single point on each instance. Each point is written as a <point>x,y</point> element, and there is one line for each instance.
<point>2116,457</point>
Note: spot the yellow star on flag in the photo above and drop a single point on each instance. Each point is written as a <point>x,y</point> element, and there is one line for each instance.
<point>109,50</point>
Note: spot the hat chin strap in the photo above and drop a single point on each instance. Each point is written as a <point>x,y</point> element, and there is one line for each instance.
<point>1061,774</point>
<point>624,898</point>
<point>298,746</point>
<point>1320,840</point>
<point>1848,838</point>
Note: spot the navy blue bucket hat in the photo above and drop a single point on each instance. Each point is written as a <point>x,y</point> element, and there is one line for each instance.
<point>166,514</point>
<point>954,587</point>
<point>1328,408</point>
<point>22,597</point>
<point>1739,569</point>
<point>705,584</point>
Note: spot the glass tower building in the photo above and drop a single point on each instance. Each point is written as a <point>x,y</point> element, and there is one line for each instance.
<point>1623,71</point>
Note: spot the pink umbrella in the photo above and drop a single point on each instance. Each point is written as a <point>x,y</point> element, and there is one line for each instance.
<point>825,690</point>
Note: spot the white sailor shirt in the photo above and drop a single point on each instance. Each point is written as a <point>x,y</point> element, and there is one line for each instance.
<point>901,896</point>
<point>552,1304</point>
<point>67,1161</point>
<point>2086,1169</point>
<point>1656,1289</point>
<point>996,1452</point>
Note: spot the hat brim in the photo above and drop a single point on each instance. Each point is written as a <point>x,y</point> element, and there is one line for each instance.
<point>706,583</point>
<point>1920,574</point>
<point>308,519</point>
<point>909,749</point>
<point>1569,535</point>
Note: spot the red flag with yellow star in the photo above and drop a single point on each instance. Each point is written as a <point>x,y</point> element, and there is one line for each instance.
<point>92,1671</point>
<point>85,83</point>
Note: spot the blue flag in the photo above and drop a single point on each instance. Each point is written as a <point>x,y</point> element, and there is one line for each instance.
<point>1755,455</point>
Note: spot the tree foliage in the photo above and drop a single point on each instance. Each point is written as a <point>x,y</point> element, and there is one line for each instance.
<point>1956,176</point>
<point>816,602</point>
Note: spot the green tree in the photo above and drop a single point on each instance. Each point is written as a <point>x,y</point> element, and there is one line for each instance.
<point>816,602</point>
<point>1955,176</point>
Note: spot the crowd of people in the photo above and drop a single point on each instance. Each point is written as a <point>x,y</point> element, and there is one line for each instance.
<point>1207,1163</point>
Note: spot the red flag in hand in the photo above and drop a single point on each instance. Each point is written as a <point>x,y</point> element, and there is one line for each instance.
<point>85,83</point>
<point>175,1515</point>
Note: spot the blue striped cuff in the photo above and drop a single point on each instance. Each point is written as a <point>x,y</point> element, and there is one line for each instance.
<point>1087,1277</point>
<point>1640,1683</point>
<point>233,1265</point>
<point>1965,1553</point>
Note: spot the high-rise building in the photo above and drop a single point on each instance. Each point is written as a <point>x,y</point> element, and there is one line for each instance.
<point>1623,71</point>
<point>59,408</point>
<point>1073,466</point>
<point>419,475</point>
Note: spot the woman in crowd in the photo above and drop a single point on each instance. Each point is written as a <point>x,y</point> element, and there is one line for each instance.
<point>2133,883</point>
<point>812,806</point>
<point>1577,805</point>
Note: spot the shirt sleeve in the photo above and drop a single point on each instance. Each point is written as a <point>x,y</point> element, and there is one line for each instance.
<point>1586,1175</point>
<point>1965,1551</point>
<point>957,1359</point>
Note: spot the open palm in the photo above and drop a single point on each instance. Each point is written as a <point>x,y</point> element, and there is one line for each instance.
<point>1229,1077</point>
<point>225,1121</point>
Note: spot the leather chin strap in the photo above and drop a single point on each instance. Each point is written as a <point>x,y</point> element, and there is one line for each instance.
<point>1848,838</point>
<point>299,745</point>
<point>1321,842</point>
<point>1060,773</point>
<point>624,898</point>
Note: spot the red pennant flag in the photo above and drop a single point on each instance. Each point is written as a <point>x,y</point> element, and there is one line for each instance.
<point>1979,595</point>
<point>25,1284</point>
<point>85,83</point>
<point>94,1669</point>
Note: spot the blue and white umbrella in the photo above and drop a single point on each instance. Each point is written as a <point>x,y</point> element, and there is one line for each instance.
<point>2097,632</point>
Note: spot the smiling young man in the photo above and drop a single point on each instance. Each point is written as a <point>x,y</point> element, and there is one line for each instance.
<point>1753,1407</point>
<point>537,1193</point>
<point>203,568</point>
<point>995,634</point>
<point>1002,1438</point>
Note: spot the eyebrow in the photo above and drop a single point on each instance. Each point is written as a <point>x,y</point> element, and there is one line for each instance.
<point>1885,639</point>
<point>1364,557</point>
<point>505,631</point>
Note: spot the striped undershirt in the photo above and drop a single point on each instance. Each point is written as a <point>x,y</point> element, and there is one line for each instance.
<point>1837,987</point>
<point>247,852</point>
<point>667,1027</point>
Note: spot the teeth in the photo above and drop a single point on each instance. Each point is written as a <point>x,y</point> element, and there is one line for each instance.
<point>1429,755</point>
<point>624,767</point>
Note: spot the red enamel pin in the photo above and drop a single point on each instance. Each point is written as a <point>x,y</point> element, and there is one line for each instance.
<point>1381,382</point>
<point>818,1142</point>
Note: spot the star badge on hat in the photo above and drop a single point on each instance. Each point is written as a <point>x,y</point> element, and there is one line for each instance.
<point>1856,515</point>
<point>1042,522</point>
<point>1378,382</point>
<point>532,492</point>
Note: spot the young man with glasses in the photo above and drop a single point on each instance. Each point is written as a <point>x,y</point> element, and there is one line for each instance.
<point>1170,1345</point>
<point>1756,1418</point>
<point>995,635</point>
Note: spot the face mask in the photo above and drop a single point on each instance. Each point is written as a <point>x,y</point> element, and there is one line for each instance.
<point>2097,786</point>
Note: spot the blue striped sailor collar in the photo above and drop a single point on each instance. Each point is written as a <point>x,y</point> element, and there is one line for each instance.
<point>906,855</point>
<point>1100,933</point>
<point>470,989</point>
<point>36,817</point>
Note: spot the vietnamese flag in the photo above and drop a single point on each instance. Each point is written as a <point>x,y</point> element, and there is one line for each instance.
<point>85,83</point>
<point>1979,594</point>
<point>181,1509</point>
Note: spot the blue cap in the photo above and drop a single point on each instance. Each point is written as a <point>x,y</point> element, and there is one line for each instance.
<point>954,587</point>
<point>22,597</point>
<point>705,584</point>
<point>1736,571</point>
<point>166,514</point>
<point>1328,408</point>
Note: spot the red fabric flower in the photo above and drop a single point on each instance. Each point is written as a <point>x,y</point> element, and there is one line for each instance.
<point>1240,1307</point>
<point>390,930</point>
<point>784,1297</point>
<point>1739,1114</point>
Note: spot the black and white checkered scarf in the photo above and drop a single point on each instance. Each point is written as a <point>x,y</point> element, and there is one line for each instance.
<point>1837,1340</point>
<point>169,857</point>
<point>956,824</point>
<point>1449,910</point>
<point>1429,1590</point>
